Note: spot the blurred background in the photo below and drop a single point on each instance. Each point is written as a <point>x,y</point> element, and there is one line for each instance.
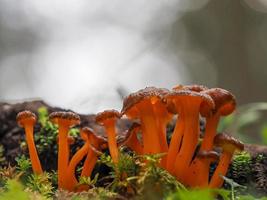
<point>85,55</point>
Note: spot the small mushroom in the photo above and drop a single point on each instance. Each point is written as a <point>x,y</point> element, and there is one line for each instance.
<point>108,120</point>
<point>229,145</point>
<point>64,120</point>
<point>131,139</point>
<point>225,104</point>
<point>27,119</point>
<point>76,159</point>
<point>97,142</point>
<point>198,175</point>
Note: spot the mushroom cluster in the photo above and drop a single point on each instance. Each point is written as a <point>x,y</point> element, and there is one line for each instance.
<point>187,156</point>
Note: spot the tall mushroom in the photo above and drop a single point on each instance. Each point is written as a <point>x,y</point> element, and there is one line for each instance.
<point>175,107</point>
<point>27,119</point>
<point>108,119</point>
<point>64,120</point>
<point>229,145</point>
<point>224,105</point>
<point>189,103</point>
<point>148,106</point>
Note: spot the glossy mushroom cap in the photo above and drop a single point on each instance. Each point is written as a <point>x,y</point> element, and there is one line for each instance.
<point>195,88</point>
<point>69,118</point>
<point>212,156</point>
<point>26,117</point>
<point>107,115</point>
<point>225,101</point>
<point>228,143</point>
<point>151,93</point>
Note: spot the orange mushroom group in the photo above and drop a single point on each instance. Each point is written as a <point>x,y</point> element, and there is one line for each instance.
<point>186,156</point>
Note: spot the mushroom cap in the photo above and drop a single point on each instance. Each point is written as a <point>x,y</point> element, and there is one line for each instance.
<point>224,100</point>
<point>149,93</point>
<point>213,156</point>
<point>195,88</point>
<point>107,115</point>
<point>89,134</point>
<point>26,117</point>
<point>69,118</point>
<point>134,127</point>
<point>206,106</point>
<point>228,143</point>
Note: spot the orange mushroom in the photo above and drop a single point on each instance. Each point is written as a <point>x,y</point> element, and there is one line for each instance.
<point>175,107</point>
<point>190,103</point>
<point>131,139</point>
<point>229,145</point>
<point>64,120</point>
<point>148,106</point>
<point>225,104</point>
<point>77,157</point>
<point>71,140</point>
<point>108,120</point>
<point>198,176</point>
<point>27,119</point>
<point>98,143</point>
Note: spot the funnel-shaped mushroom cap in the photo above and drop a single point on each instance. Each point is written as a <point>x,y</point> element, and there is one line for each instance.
<point>149,93</point>
<point>26,117</point>
<point>228,143</point>
<point>69,118</point>
<point>225,102</point>
<point>106,115</point>
<point>207,103</point>
<point>135,126</point>
<point>88,133</point>
<point>212,156</point>
<point>195,88</point>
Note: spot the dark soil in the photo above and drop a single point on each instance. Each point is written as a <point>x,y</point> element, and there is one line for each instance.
<point>11,135</point>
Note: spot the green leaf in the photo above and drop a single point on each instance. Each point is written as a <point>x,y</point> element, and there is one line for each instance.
<point>14,191</point>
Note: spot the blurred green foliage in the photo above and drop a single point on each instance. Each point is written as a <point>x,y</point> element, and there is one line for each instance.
<point>249,123</point>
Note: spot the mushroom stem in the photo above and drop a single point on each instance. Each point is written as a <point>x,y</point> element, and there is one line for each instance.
<point>149,130</point>
<point>133,143</point>
<point>190,139</point>
<point>175,143</point>
<point>112,142</point>
<point>89,163</point>
<point>78,156</point>
<point>198,176</point>
<point>221,170</point>
<point>36,165</point>
<point>210,132</point>
<point>63,154</point>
